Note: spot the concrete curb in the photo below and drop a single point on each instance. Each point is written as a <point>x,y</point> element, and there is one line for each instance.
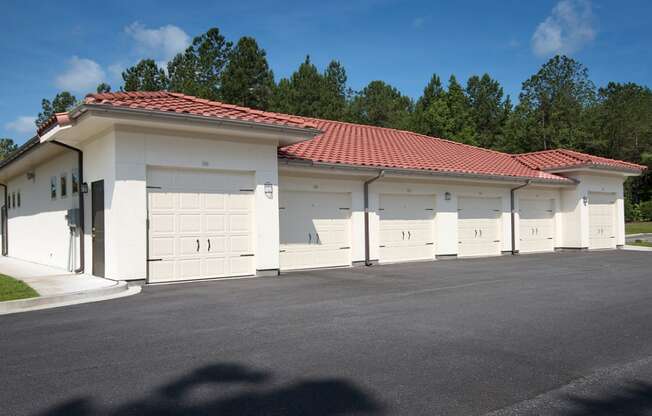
<point>117,290</point>
<point>637,248</point>
<point>638,235</point>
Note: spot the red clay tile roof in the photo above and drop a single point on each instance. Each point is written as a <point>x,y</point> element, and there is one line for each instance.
<point>354,144</point>
<point>186,104</point>
<point>563,158</point>
<point>180,103</point>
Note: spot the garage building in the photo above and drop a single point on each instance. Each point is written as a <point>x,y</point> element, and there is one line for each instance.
<point>174,188</point>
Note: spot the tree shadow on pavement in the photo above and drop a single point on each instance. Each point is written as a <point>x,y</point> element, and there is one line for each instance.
<point>320,397</point>
<point>634,399</point>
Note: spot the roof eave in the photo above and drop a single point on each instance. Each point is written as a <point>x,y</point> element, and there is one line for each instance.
<point>593,166</point>
<point>308,132</point>
<point>423,172</point>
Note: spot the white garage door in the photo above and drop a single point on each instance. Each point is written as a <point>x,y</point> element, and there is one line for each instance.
<point>407,227</point>
<point>315,229</point>
<point>602,213</point>
<point>536,225</point>
<point>479,226</point>
<point>200,224</point>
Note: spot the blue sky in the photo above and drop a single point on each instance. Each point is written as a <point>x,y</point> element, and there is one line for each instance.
<point>50,46</point>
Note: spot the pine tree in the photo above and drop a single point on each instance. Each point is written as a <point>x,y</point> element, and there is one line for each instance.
<point>7,147</point>
<point>489,111</point>
<point>459,109</point>
<point>145,76</point>
<point>334,92</point>
<point>554,102</point>
<point>380,104</point>
<point>61,103</point>
<point>421,121</point>
<point>103,87</point>
<point>198,70</point>
<point>247,79</point>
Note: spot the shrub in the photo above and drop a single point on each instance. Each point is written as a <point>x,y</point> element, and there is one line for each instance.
<point>646,210</point>
<point>632,211</point>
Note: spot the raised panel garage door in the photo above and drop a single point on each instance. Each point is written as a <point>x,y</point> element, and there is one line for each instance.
<point>200,224</point>
<point>536,225</point>
<point>406,227</point>
<point>479,226</point>
<point>315,229</point>
<point>602,219</point>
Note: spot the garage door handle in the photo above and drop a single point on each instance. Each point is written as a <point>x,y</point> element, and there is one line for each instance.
<point>198,244</point>
<point>403,232</point>
<point>209,244</point>
<point>409,235</point>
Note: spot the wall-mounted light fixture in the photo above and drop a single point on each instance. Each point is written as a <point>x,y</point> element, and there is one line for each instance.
<point>30,175</point>
<point>269,190</point>
<point>447,196</point>
<point>84,188</point>
<point>585,200</point>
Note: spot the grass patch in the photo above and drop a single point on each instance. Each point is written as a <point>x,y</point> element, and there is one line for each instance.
<point>638,227</point>
<point>640,243</point>
<point>12,289</point>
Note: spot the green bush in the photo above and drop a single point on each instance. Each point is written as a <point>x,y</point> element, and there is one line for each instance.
<point>632,211</point>
<point>646,210</point>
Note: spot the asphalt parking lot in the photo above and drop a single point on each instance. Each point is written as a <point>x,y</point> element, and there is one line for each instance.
<point>550,334</point>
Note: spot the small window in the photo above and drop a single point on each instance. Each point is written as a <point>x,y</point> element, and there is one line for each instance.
<point>64,185</point>
<point>13,199</point>
<point>74,181</point>
<point>18,198</point>
<point>53,187</point>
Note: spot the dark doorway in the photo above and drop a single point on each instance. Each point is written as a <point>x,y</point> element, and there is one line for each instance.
<point>5,239</point>
<point>97,208</point>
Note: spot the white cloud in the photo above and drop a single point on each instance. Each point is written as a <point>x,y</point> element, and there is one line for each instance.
<point>418,22</point>
<point>23,124</point>
<point>569,27</point>
<point>161,44</point>
<point>116,69</point>
<point>82,75</point>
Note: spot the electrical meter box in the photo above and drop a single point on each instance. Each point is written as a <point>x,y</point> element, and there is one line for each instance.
<point>73,217</point>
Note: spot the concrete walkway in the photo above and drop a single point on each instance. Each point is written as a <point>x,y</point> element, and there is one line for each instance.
<point>58,287</point>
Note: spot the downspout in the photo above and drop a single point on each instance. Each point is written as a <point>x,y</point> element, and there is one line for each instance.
<point>80,168</point>
<point>367,258</point>
<point>5,223</point>
<point>513,211</point>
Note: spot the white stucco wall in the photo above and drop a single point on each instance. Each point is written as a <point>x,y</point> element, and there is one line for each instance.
<point>446,241</point>
<point>120,156</point>
<point>38,229</point>
<point>99,164</point>
<point>136,149</point>
<point>575,214</point>
<point>446,238</point>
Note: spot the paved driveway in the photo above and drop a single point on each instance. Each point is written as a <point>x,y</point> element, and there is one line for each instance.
<point>567,333</point>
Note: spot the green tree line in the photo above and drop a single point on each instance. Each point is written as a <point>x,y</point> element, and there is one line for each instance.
<point>559,106</point>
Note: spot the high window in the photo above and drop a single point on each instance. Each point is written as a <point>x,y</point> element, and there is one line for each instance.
<point>53,187</point>
<point>64,185</point>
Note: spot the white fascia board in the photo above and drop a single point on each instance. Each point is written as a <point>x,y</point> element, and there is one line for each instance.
<point>284,135</point>
<point>596,169</point>
<point>365,171</point>
<point>53,133</point>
